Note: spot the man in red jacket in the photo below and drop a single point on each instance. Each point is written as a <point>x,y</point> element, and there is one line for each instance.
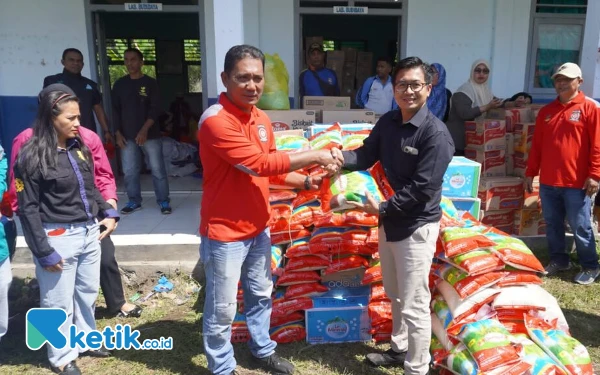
<point>565,152</point>
<point>237,148</point>
<point>110,277</point>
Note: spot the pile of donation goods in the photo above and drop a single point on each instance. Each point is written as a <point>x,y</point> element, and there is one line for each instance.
<point>489,312</point>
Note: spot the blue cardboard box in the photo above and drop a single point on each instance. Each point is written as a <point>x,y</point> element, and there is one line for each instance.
<point>337,325</point>
<point>343,297</point>
<point>461,178</point>
<point>471,205</point>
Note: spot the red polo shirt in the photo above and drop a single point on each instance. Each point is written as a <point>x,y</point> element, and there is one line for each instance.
<point>565,149</point>
<point>238,153</point>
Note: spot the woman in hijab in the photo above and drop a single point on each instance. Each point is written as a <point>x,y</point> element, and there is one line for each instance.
<point>470,102</point>
<point>438,99</point>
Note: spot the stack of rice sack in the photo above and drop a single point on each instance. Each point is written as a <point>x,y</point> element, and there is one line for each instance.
<point>489,312</point>
<point>318,237</point>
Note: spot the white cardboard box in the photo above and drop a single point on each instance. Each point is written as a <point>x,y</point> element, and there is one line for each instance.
<point>292,119</point>
<point>493,163</point>
<point>339,103</point>
<point>353,116</point>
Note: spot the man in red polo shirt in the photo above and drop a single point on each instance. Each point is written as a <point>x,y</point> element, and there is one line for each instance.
<point>237,149</point>
<point>565,152</point>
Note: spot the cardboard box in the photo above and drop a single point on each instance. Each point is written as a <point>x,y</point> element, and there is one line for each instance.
<point>496,114</point>
<point>510,144</point>
<point>523,136</point>
<point>353,116</point>
<point>532,200</point>
<point>516,115</point>
<point>337,325</point>
<point>461,178</point>
<point>493,163</point>
<point>510,166</point>
<point>344,279</point>
<point>364,58</point>
<point>343,297</point>
<point>347,127</point>
<point>520,164</point>
<point>338,103</point>
<point>292,119</point>
<point>349,70</point>
<point>501,193</point>
<point>485,135</point>
<point>529,222</point>
<point>471,205</point>
<point>500,219</point>
<point>351,54</point>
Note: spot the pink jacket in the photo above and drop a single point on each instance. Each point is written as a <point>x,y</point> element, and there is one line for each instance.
<point>103,176</point>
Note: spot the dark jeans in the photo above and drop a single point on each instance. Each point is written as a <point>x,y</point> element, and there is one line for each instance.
<point>573,204</point>
<point>110,277</point>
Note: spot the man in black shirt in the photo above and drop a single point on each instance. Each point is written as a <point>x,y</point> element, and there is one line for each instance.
<point>90,99</point>
<point>415,148</point>
<point>136,106</point>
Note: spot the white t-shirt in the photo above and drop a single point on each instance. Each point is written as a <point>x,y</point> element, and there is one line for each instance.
<point>380,97</point>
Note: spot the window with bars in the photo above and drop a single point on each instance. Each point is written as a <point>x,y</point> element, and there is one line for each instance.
<point>193,65</point>
<point>557,37</point>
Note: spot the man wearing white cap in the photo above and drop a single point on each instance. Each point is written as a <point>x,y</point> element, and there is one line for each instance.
<point>565,152</point>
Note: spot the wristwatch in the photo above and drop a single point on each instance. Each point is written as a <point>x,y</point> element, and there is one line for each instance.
<point>307,183</point>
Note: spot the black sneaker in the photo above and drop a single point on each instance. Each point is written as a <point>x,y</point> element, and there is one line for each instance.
<point>388,358</point>
<point>130,207</point>
<point>165,208</point>
<point>70,369</point>
<point>275,364</point>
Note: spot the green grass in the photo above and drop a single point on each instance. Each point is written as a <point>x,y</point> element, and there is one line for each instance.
<point>162,317</point>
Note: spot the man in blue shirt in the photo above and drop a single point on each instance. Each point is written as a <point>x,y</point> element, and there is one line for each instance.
<point>318,80</point>
<point>377,93</point>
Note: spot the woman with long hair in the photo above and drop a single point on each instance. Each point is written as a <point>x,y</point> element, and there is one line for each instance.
<point>470,102</point>
<point>60,208</point>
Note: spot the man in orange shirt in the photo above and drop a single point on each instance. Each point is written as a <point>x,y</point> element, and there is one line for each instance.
<point>565,151</point>
<point>237,149</point>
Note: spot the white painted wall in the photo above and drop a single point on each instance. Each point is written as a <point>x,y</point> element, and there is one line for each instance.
<point>589,53</point>
<point>269,25</point>
<point>456,33</point>
<point>33,34</point>
<point>224,28</point>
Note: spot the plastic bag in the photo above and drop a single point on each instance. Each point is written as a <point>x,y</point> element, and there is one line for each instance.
<point>305,290</point>
<point>513,278</point>
<point>276,257</point>
<point>293,278</point>
<point>380,312</point>
<point>489,344</point>
<point>291,143</point>
<point>459,241</point>
<point>475,262</point>
<point>562,348</point>
<point>306,263</point>
<point>373,274</point>
<point>288,333</point>
<point>294,317</point>
<point>352,140</point>
<point>462,308</point>
<point>515,253</point>
<point>460,361</point>
<point>338,240</point>
<point>289,235</point>
<point>287,306</point>
<point>541,363</point>
<point>276,92</point>
<point>464,284</point>
<point>346,263</point>
<point>378,292</point>
<point>327,139</point>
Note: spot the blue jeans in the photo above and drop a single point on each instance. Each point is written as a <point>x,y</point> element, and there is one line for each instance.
<point>5,281</point>
<point>224,264</point>
<point>575,205</point>
<point>131,158</point>
<point>75,288</point>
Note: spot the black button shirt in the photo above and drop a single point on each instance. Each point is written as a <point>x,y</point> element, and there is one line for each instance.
<point>414,156</point>
<point>87,92</point>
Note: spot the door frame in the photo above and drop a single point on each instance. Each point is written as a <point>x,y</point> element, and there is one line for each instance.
<point>94,27</point>
<point>299,32</point>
